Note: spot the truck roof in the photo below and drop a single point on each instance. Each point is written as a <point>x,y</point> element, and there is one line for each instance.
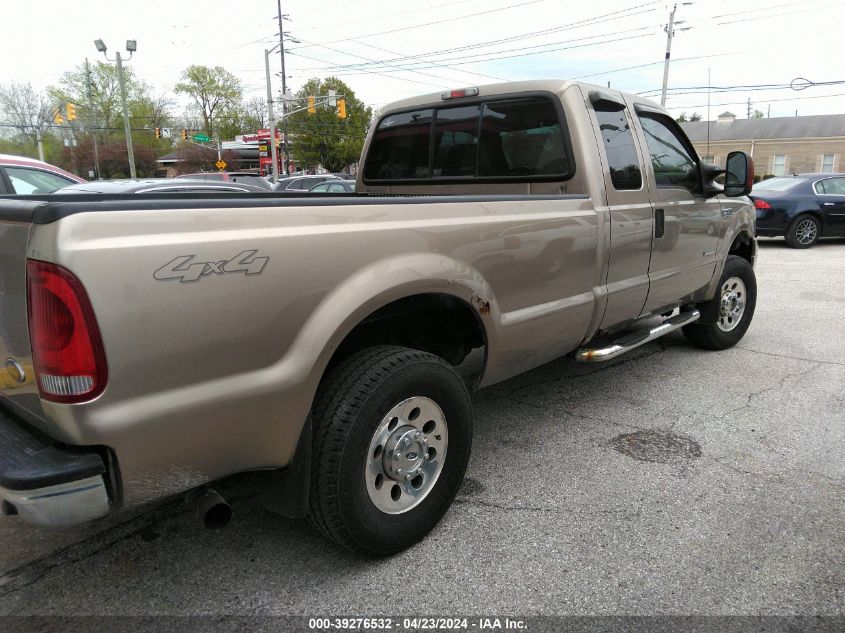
<point>556,86</point>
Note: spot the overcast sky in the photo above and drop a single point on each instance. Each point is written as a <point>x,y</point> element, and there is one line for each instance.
<point>431,45</point>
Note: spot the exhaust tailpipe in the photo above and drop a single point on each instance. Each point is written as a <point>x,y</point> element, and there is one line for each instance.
<point>209,507</point>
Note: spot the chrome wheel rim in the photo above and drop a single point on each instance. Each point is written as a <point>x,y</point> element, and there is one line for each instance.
<point>406,455</point>
<point>806,231</point>
<point>732,305</point>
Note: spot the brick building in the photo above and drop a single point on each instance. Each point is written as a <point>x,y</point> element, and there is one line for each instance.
<point>781,145</point>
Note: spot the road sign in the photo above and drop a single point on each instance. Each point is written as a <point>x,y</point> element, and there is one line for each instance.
<point>166,132</point>
<point>220,164</point>
<point>201,138</point>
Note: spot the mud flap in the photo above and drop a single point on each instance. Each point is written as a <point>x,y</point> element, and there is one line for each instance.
<point>286,491</point>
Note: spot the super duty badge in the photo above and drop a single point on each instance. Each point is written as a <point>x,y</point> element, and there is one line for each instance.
<point>184,268</point>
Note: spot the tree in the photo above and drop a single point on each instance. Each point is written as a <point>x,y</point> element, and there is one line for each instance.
<point>757,115</point>
<point>323,138</point>
<point>106,110</point>
<point>255,114</point>
<point>695,116</point>
<point>30,112</point>
<point>682,118</point>
<point>214,91</point>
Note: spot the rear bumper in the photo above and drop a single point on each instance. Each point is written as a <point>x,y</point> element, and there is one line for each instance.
<point>47,484</point>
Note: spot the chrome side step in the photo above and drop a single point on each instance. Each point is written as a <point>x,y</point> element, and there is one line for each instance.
<point>635,339</point>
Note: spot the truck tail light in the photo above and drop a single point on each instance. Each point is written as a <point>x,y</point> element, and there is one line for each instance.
<point>67,351</point>
<point>761,204</point>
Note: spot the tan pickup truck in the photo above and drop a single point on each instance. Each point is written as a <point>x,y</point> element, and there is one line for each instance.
<point>153,343</point>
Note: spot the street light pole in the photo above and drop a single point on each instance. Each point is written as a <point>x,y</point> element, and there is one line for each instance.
<point>126,126</point>
<point>131,46</point>
<point>272,119</point>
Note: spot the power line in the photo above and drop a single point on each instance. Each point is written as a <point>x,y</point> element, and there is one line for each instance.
<point>526,54</point>
<point>419,26</point>
<point>841,94</point>
<point>600,19</point>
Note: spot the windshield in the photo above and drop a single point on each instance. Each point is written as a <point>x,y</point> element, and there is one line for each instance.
<point>778,184</point>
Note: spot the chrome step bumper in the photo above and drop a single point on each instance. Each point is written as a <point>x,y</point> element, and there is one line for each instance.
<point>634,340</point>
<point>46,484</point>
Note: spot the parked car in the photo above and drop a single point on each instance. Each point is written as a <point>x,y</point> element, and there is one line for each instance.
<point>163,185</point>
<point>302,183</point>
<point>24,176</point>
<point>231,176</point>
<point>334,186</point>
<point>801,208</point>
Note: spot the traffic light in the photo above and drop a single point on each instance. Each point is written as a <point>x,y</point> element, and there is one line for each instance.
<point>58,119</point>
<point>158,132</point>
<point>341,108</point>
<point>184,134</point>
<point>312,104</point>
<point>71,111</point>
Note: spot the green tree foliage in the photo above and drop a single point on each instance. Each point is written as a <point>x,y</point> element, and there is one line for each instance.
<point>216,93</point>
<point>682,118</point>
<point>324,138</point>
<point>695,116</point>
<point>103,117</point>
<point>757,115</point>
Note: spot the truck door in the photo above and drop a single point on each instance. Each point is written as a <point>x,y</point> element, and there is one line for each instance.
<point>629,207</point>
<point>686,224</point>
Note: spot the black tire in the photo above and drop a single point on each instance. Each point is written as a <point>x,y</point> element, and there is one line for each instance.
<point>803,232</point>
<point>710,335</point>
<point>350,404</point>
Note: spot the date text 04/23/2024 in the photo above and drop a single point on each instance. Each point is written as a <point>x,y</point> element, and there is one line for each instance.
<point>417,624</point>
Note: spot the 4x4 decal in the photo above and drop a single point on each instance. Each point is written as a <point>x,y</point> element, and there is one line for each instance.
<point>184,268</point>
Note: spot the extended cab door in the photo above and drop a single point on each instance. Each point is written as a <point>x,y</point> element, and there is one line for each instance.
<point>686,224</point>
<point>629,207</point>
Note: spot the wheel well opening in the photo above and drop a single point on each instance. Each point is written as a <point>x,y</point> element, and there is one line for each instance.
<point>439,324</point>
<point>743,247</point>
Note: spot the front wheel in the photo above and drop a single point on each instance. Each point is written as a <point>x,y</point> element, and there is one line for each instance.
<point>733,306</point>
<point>392,435</point>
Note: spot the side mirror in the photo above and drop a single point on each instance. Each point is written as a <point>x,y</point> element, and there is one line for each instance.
<point>739,174</point>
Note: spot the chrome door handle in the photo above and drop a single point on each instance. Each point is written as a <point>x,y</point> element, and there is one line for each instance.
<point>829,204</point>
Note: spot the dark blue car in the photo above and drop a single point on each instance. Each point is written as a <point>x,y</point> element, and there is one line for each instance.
<point>801,208</point>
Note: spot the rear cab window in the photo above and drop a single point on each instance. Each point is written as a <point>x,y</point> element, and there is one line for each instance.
<point>502,139</point>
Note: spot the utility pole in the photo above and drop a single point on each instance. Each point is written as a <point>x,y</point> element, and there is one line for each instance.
<point>91,110</point>
<point>670,33</point>
<point>40,142</point>
<point>284,88</point>
<point>748,109</point>
<point>272,119</point>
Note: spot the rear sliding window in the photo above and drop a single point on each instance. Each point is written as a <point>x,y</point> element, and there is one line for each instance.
<point>510,139</point>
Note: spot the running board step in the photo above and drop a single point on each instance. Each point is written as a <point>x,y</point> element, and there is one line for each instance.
<point>634,340</point>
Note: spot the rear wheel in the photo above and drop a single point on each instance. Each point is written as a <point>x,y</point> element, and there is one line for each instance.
<point>803,232</point>
<point>392,435</point>
<point>733,306</point>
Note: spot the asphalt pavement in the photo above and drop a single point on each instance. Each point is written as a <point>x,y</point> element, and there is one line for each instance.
<point>670,481</point>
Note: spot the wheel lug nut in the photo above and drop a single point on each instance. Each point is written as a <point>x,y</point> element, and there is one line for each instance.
<point>397,455</point>
<point>408,476</point>
<point>417,435</point>
<point>398,471</point>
